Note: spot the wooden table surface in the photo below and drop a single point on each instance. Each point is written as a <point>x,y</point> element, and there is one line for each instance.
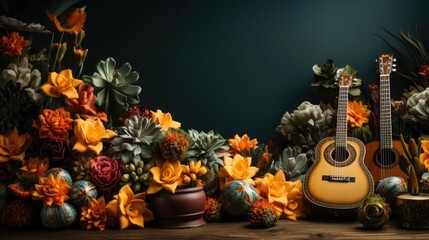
<point>285,229</point>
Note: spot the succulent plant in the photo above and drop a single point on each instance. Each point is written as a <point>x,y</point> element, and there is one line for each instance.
<point>418,105</point>
<point>306,126</point>
<point>113,87</point>
<point>261,214</point>
<point>292,163</point>
<point>134,140</point>
<point>410,164</point>
<point>137,176</point>
<point>208,147</point>
<point>81,169</point>
<point>173,144</point>
<point>374,212</point>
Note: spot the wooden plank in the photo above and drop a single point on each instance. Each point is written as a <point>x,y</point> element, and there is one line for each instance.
<point>284,229</point>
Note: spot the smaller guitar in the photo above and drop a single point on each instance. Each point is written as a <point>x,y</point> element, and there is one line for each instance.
<point>382,157</point>
<point>339,180</point>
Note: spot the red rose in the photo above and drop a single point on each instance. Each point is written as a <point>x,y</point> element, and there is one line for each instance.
<point>105,173</point>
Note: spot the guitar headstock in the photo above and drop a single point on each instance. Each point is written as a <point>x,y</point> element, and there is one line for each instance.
<point>386,64</point>
<point>345,80</point>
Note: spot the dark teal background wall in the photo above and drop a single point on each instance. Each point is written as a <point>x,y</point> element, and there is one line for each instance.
<point>238,66</point>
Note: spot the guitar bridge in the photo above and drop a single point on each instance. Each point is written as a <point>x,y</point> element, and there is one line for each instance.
<point>343,179</point>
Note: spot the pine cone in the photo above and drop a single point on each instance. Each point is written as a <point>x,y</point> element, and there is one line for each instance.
<point>82,168</point>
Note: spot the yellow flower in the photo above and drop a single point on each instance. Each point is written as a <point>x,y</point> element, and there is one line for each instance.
<point>35,166</point>
<point>191,171</point>
<point>424,156</point>
<point>165,119</point>
<point>13,146</point>
<point>94,214</point>
<point>70,21</point>
<point>237,169</point>
<point>128,208</point>
<point>167,176</point>
<point>285,197</point>
<point>61,84</point>
<point>89,134</point>
<point>239,145</point>
<point>52,190</point>
<point>357,114</point>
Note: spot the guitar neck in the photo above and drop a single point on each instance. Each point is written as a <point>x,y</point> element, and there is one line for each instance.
<point>341,135</point>
<point>385,113</point>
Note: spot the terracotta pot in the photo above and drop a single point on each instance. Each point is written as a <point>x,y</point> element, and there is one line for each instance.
<point>414,210</point>
<point>183,209</point>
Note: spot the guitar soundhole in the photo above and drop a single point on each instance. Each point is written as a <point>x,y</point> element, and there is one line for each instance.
<point>340,154</point>
<point>386,158</point>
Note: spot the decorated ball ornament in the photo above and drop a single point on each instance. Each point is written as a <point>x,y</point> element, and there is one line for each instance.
<point>60,172</point>
<point>390,187</point>
<point>237,197</point>
<point>58,217</point>
<point>82,192</point>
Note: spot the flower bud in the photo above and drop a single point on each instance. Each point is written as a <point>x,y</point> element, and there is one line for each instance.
<point>79,56</point>
<point>78,37</point>
<point>58,50</point>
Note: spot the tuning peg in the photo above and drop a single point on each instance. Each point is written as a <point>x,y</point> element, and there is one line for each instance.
<point>394,69</point>
<point>394,65</point>
<point>394,59</point>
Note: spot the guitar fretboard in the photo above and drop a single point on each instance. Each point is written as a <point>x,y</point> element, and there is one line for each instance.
<point>341,135</point>
<point>385,113</point>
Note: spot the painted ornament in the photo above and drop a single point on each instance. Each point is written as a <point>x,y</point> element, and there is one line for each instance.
<point>60,172</point>
<point>58,217</point>
<point>237,197</point>
<point>82,192</point>
<point>390,187</point>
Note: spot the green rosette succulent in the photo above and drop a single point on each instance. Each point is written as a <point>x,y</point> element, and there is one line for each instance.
<point>292,163</point>
<point>374,212</point>
<point>137,176</point>
<point>208,147</point>
<point>418,105</point>
<point>113,87</point>
<point>134,140</point>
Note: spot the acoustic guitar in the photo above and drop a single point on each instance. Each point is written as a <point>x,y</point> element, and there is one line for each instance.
<point>382,157</point>
<point>339,179</point>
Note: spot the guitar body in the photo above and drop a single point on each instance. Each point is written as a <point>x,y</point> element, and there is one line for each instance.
<point>338,185</point>
<point>383,165</point>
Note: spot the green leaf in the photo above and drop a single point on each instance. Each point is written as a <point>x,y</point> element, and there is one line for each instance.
<point>125,69</point>
<point>98,81</point>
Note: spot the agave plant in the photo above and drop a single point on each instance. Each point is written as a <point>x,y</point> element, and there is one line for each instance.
<point>113,87</point>
<point>134,140</point>
<point>292,163</point>
<point>208,147</point>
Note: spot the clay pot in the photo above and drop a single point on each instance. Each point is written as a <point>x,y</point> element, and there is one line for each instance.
<point>183,209</point>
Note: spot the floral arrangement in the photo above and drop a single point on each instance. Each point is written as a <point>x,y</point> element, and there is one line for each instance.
<point>79,149</point>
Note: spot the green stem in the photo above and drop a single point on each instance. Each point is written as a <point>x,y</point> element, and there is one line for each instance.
<point>58,52</point>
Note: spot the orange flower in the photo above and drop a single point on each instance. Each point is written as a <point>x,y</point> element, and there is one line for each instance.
<point>424,156</point>
<point>285,197</point>
<point>94,214</point>
<point>12,45</point>
<point>72,20</point>
<point>237,169</point>
<point>85,103</point>
<point>52,190</point>
<point>130,209</point>
<point>191,171</point>
<point>13,146</point>
<point>54,124</point>
<point>89,133</point>
<point>167,176</point>
<point>165,119</point>
<point>239,145</point>
<point>79,56</point>
<point>61,84</point>
<point>35,166</point>
<point>357,114</point>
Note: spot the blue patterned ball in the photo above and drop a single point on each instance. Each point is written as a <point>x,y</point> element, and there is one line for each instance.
<point>390,187</point>
<point>82,192</point>
<point>58,217</point>
<point>59,172</point>
<point>237,197</point>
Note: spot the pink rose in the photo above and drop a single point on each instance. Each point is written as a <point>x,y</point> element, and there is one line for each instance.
<point>105,173</point>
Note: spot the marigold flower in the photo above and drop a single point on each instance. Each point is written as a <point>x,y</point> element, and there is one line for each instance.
<point>72,20</point>
<point>35,166</point>
<point>239,145</point>
<point>128,208</point>
<point>166,175</point>
<point>52,190</point>
<point>94,214</point>
<point>357,114</point>
<point>61,83</point>
<point>237,169</point>
<point>286,197</point>
<point>13,146</point>
<point>89,134</point>
<point>54,124</point>
<point>13,44</point>
<point>164,119</point>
